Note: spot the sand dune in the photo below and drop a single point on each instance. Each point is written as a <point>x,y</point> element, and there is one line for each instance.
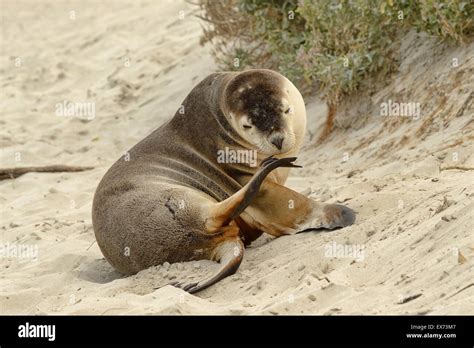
<point>413,243</point>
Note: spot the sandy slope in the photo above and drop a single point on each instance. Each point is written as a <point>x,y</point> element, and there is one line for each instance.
<point>136,61</point>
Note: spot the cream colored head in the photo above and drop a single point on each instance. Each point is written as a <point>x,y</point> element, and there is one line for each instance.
<point>266,110</point>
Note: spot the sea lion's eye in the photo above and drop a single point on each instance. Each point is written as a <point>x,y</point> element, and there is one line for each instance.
<point>246,126</point>
<point>287,111</point>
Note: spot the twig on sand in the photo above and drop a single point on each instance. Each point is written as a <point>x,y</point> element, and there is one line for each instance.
<point>464,288</point>
<point>91,245</point>
<point>11,173</point>
<point>455,167</point>
<point>405,299</point>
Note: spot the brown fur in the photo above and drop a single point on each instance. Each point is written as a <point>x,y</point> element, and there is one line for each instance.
<point>171,201</point>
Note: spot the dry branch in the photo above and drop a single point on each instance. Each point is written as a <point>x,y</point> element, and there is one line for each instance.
<point>11,173</point>
<point>455,168</point>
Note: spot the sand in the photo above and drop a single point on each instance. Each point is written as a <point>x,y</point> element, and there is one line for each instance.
<point>411,250</point>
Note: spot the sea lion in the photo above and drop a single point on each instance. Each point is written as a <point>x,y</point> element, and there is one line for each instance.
<point>175,199</point>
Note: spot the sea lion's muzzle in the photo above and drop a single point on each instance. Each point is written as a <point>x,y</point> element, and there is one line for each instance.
<point>277,140</point>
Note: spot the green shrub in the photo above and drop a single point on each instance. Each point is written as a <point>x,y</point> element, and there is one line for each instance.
<point>452,19</point>
<point>345,42</point>
<point>337,45</point>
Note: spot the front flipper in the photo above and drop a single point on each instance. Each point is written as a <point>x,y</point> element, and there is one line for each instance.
<point>329,216</point>
<point>279,211</point>
<point>338,215</point>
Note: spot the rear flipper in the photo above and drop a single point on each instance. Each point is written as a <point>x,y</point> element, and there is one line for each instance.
<point>229,254</point>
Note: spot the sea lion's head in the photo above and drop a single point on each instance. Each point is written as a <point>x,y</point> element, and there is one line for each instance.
<point>266,110</point>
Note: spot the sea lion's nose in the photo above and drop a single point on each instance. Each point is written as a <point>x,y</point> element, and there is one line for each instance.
<point>277,140</point>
